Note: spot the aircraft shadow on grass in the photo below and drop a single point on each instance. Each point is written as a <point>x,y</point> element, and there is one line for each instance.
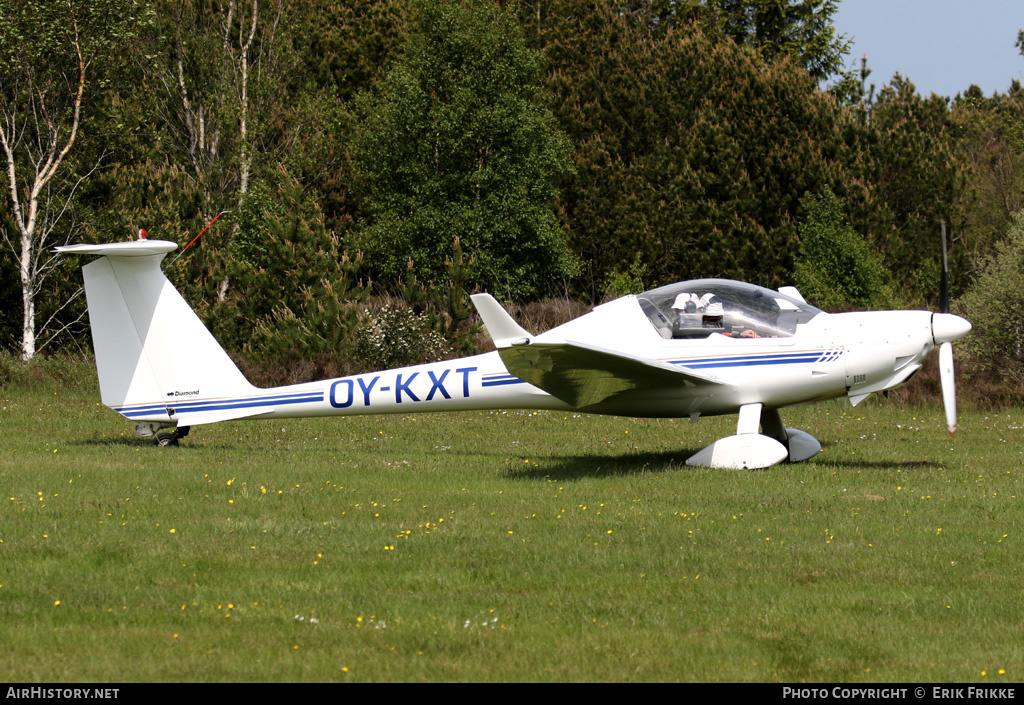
<point>882,465</point>
<point>575,467</point>
<point>570,467</point>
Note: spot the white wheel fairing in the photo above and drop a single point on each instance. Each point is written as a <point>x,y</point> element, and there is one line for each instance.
<point>802,445</point>
<point>746,451</point>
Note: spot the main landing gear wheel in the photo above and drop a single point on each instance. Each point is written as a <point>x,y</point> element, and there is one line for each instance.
<point>171,439</point>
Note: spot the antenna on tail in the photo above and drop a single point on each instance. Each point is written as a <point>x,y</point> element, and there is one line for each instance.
<point>193,239</point>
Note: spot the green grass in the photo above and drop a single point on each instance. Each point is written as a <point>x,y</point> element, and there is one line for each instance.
<point>503,546</point>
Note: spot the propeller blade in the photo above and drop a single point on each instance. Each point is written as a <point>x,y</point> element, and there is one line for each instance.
<point>948,385</point>
<point>944,283</point>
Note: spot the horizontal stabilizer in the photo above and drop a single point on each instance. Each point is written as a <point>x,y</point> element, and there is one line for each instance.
<point>134,248</point>
<point>583,375</point>
<point>500,325</point>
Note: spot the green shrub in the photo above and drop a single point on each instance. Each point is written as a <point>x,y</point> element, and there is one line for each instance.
<point>995,307</point>
<point>626,281</point>
<point>837,267</point>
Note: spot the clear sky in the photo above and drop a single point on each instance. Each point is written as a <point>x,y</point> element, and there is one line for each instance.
<point>942,46</point>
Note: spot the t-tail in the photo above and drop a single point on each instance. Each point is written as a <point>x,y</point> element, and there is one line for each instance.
<point>153,354</point>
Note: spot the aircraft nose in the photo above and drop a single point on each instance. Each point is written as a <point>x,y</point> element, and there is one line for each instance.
<point>947,327</point>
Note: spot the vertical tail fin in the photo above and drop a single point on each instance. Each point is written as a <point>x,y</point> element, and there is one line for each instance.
<point>152,351</point>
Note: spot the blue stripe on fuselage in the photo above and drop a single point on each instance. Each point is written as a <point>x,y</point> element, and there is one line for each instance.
<point>760,359</point>
<point>221,404</point>
<point>498,380</point>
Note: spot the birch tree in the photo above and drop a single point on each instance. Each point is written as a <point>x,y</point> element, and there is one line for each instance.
<point>51,60</point>
<point>205,81</point>
<point>225,75</point>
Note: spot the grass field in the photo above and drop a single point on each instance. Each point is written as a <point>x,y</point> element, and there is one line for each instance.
<point>504,546</point>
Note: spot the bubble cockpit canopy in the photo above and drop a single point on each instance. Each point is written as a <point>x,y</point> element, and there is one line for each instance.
<point>698,308</point>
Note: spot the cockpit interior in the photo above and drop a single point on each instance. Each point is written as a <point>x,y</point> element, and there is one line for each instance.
<point>703,307</point>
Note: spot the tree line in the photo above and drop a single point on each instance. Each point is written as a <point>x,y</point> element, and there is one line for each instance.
<point>424,149</point>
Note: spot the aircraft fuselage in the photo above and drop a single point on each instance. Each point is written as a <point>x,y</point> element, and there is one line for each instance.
<point>838,355</point>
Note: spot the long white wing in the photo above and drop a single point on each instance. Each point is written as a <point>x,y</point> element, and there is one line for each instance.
<point>583,375</point>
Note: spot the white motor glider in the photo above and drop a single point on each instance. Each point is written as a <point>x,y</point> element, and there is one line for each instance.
<point>697,348</point>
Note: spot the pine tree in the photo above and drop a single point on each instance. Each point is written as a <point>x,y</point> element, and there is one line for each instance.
<point>917,180</point>
<point>989,139</point>
<point>692,152</point>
